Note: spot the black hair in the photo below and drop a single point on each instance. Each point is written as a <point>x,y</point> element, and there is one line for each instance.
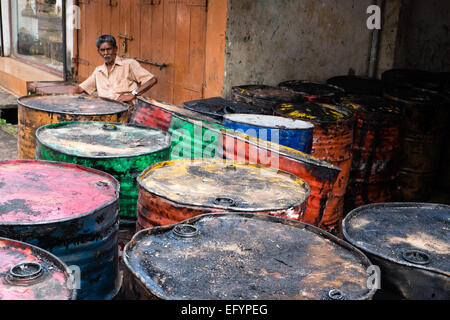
<point>106,38</point>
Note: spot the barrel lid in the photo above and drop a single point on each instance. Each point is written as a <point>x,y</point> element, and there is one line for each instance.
<point>371,104</point>
<point>412,78</point>
<point>268,121</point>
<point>216,107</point>
<point>33,192</point>
<point>269,93</point>
<point>246,256</point>
<point>95,139</point>
<point>30,273</point>
<point>315,112</point>
<point>412,234</point>
<point>319,90</point>
<point>73,104</point>
<point>358,85</point>
<point>224,184</point>
<point>413,95</point>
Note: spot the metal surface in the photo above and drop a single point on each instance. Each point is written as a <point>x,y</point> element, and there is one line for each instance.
<point>358,85</point>
<point>30,273</point>
<point>122,150</point>
<point>172,191</point>
<point>332,142</point>
<point>413,78</point>
<point>217,107</point>
<point>295,134</point>
<point>376,150</point>
<point>37,110</point>
<point>264,96</point>
<point>410,243</point>
<point>243,256</point>
<point>313,91</point>
<point>69,210</point>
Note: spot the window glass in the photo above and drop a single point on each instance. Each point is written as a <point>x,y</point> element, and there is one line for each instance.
<point>37,31</point>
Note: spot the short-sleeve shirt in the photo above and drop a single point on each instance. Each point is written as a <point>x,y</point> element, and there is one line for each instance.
<point>125,76</point>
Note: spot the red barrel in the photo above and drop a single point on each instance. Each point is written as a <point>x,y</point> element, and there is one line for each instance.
<point>376,150</point>
<point>332,142</point>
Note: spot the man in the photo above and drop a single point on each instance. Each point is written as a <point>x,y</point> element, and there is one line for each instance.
<point>118,79</point>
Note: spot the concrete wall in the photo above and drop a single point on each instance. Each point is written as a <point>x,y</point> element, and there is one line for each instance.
<point>268,41</point>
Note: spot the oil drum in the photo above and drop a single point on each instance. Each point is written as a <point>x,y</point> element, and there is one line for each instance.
<point>30,273</point>
<point>217,107</point>
<point>235,146</point>
<point>410,244</point>
<point>425,116</point>
<point>412,78</point>
<point>37,110</point>
<point>295,134</point>
<point>265,96</point>
<point>313,91</point>
<point>158,114</point>
<point>243,256</point>
<point>358,85</point>
<point>332,142</point>
<point>122,150</point>
<point>173,191</point>
<point>376,150</point>
<point>68,210</point>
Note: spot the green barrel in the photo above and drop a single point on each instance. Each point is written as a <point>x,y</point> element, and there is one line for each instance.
<point>122,150</point>
<point>192,140</point>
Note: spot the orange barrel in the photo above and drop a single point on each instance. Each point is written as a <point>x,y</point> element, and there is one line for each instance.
<point>358,85</point>
<point>243,256</point>
<point>376,150</point>
<point>313,91</point>
<point>423,128</point>
<point>332,142</point>
<point>263,96</point>
<point>173,191</point>
<point>37,110</point>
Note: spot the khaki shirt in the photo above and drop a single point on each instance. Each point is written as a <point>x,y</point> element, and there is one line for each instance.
<point>125,76</point>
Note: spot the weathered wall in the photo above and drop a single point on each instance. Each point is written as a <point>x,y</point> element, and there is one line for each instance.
<point>268,41</point>
<point>424,39</point>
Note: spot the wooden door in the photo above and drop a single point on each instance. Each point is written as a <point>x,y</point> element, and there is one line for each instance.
<point>171,33</point>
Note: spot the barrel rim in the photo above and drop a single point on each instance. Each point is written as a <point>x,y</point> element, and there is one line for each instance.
<point>216,206</point>
<point>362,246</point>
<point>47,255</point>
<point>338,90</point>
<point>39,140</point>
<point>81,216</point>
<point>308,125</point>
<point>303,225</point>
<point>237,90</point>
<point>21,102</point>
<point>347,120</point>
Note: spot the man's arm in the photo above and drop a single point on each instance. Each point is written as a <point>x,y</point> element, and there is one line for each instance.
<point>88,86</point>
<point>77,90</point>
<point>145,79</point>
<point>125,97</point>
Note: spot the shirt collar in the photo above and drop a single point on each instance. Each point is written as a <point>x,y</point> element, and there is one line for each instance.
<point>118,61</point>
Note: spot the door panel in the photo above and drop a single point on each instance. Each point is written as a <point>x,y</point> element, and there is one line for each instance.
<point>171,32</point>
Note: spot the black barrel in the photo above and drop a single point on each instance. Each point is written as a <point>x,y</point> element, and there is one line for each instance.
<point>313,91</point>
<point>358,85</point>
<point>413,78</point>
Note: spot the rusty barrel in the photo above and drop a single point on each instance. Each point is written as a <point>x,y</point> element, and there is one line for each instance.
<point>122,150</point>
<point>173,191</point>
<point>265,96</point>
<point>358,85</point>
<point>425,116</point>
<point>332,142</point>
<point>31,273</point>
<point>243,256</point>
<point>376,150</point>
<point>410,244</point>
<point>217,107</point>
<point>69,210</point>
<point>313,91</point>
<point>158,114</point>
<point>37,110</point>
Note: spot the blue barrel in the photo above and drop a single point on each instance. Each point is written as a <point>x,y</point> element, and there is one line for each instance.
<point>295,134</point>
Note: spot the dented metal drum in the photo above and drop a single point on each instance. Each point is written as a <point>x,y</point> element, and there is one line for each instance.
<point>69,210</point>
<point>313,91</point>
<point>243,256</point>
<point>410,242</point>
<point>217,107</point>
<point>37,110</point>
<point>295,134</point>
<point>173,191</point>
<point>30,273</point>
<point>122,150</point>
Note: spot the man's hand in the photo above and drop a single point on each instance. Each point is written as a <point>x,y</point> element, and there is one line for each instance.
<point>125,97</point>
<point>77,90</point>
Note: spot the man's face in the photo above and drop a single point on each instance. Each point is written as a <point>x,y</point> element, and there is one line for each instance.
<point>108,52</point>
